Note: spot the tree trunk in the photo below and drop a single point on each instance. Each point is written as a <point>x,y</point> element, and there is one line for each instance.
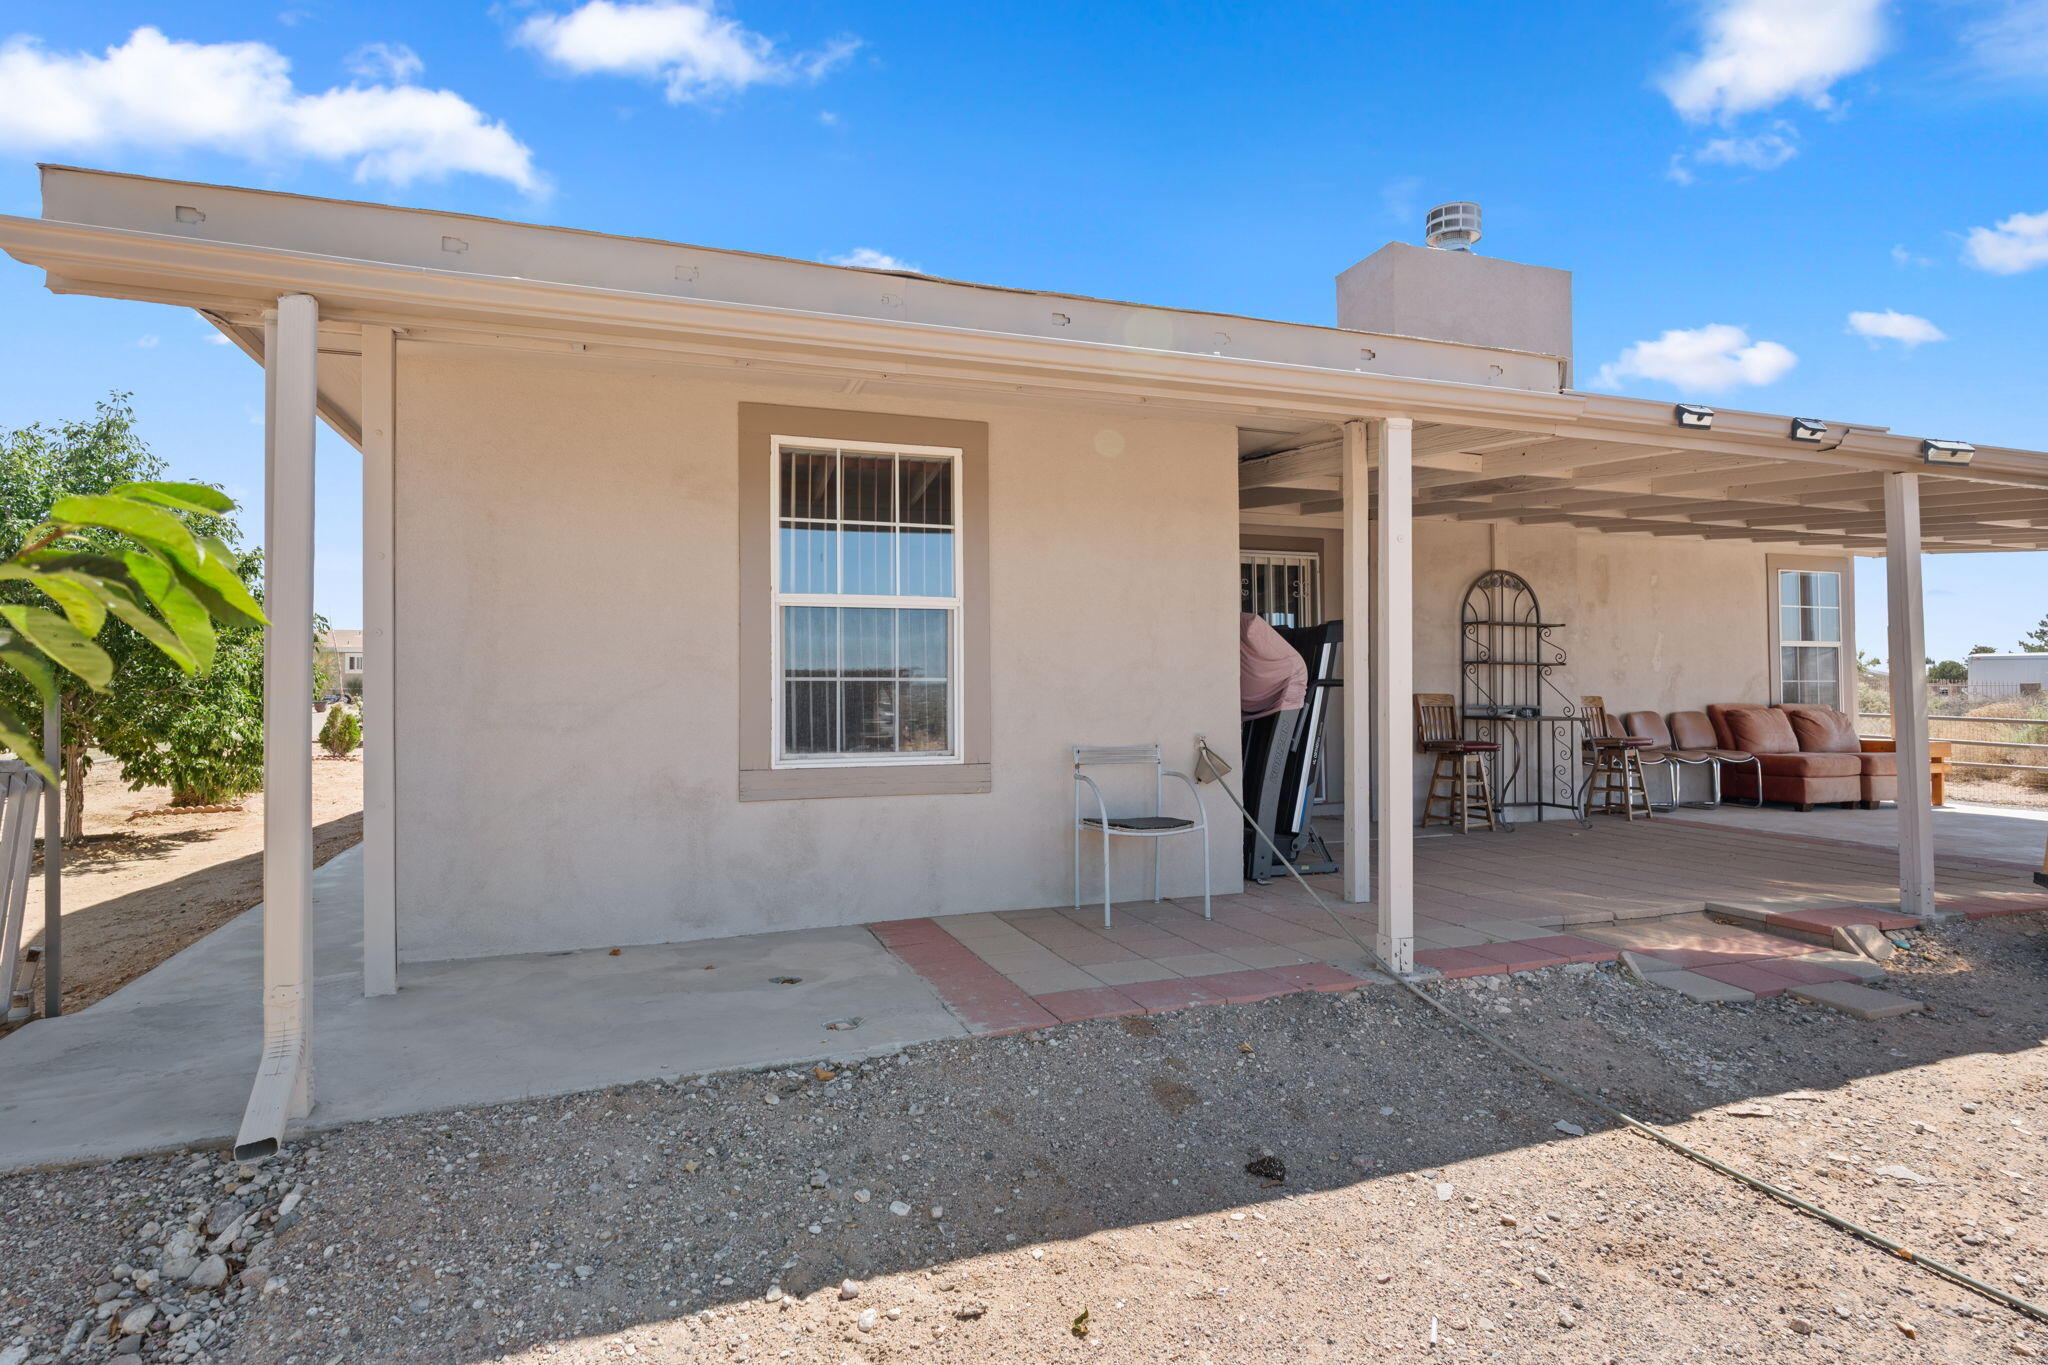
<point>75,765</point>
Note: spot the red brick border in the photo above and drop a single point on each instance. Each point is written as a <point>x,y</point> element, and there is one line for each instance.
<point>990,1002</point>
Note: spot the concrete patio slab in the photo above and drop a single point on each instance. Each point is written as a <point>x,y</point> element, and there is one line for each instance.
<point>2007,834</point>
<point>167,1061</point>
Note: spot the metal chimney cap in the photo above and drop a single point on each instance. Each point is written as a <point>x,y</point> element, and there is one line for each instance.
<point>1452,227</point>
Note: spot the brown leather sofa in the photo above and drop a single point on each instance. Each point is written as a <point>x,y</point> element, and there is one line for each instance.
<point>1806,756</point>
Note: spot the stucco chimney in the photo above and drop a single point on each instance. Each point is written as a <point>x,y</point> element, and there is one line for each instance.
<point>1459,295</point>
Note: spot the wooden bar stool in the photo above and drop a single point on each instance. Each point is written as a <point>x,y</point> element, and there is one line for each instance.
<point>1616,785</point>
<point>1461,781</point>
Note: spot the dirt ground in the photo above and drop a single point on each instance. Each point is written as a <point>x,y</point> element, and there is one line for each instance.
<point>1997,791</point>
<point>982,1195</point>
<point>136,891</point>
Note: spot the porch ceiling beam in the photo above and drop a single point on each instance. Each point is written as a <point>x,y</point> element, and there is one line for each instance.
<point>1655,465</point>
<point>1279,496</point>
<point>1457,451</point>
<point>1730,483</point>
<point>1797,486</point>
<point>1861,520</point>
<point>1553,455</point>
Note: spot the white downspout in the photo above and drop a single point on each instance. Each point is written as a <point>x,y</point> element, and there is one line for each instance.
<point>284,1080</point>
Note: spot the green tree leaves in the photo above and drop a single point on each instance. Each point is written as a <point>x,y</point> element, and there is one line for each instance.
<point>82,538</point>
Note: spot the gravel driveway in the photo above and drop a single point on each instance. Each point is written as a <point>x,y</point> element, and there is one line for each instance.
<point>969,1201</point>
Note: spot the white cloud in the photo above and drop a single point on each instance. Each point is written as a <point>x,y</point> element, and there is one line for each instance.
<point>1398,197</point>
<point>157,94</point>
<point>2011,41</point>
<point>2019,243</point>
<point>1902,258</point>
<point>867,258</point>
<point>148,341</point>
<point>1701,359</point>
<point>1760,152</point>
<point>1904,328</point>
<point>696,52</point>
<point>385,62</point>
<point>1764,152</point>
<point>1759,53</point>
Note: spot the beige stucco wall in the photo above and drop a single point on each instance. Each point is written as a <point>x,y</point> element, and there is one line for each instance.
<point>1664,625</point>
<point>572,526</point>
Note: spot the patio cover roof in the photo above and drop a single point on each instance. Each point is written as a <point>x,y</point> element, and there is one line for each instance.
<point>1499,435</point>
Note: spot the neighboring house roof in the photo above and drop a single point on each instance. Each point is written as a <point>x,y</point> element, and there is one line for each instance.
<point>342,640</point>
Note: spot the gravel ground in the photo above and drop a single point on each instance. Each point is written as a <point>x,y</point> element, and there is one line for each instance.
<point>969,1201</point>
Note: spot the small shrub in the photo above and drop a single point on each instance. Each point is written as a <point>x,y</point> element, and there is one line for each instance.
<point>342,735</point>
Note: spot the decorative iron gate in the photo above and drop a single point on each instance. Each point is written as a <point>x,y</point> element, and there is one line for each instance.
<point>1286,589</point>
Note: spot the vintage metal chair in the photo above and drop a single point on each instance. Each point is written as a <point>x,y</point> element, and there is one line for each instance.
<point>1694,732</point>
<point>1462,777</point>
<point>1156,826</point>
<point>1616,759</point>
<point>1651,726</point>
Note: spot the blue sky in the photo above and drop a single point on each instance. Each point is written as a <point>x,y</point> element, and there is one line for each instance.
<point>1731,181</point>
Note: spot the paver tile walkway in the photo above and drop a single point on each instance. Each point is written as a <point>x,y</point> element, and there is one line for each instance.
<point>1536,896</point>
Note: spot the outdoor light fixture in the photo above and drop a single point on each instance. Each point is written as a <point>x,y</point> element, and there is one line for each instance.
<point>1693,415</point>
<point>1809,429</point>
<point>1947,452</point>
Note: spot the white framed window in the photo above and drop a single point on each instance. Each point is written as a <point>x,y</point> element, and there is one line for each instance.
<point>866,579</point>
<point>1810,637</point>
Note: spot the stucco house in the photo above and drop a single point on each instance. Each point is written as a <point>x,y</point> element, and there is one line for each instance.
<point>814,576</point>
<point>341,652</point>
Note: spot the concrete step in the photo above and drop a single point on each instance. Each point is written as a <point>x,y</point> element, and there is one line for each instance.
<point>1859,1001</point>
<point>1815,926</point>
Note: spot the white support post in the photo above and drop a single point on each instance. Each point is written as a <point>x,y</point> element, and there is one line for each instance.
<point>1356,654</point>
<point>1393,668</point>
<point>1908,650</point>
<point>284,1080</point>
<point>380,806</point>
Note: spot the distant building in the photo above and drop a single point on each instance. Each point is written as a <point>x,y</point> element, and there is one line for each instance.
<point>2020,674</point>
<point>345,648</point>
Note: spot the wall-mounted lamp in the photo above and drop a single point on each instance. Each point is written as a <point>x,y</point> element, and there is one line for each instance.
<point>1947,452</point>
<point>1693,415</point>
<point>1808,429</point>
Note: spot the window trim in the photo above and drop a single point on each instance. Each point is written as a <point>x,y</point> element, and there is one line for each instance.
<point>745,493</point>
<point>1846,681</point>
<point>954,606</point>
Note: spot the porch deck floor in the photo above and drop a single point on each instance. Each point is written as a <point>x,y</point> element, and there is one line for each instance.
<point>167,1060</point>
<point>1539,895</point>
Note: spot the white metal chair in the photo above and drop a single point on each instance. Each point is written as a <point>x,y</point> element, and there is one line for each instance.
<point>1155,826</point>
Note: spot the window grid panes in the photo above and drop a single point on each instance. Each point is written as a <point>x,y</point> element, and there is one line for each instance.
<point>1809,637</point>
<point>866,603</point>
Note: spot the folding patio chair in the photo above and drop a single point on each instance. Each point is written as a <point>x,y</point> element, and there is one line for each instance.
<point>1155,826</point>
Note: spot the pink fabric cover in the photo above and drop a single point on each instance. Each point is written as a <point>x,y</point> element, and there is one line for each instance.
<point>1271,674</point>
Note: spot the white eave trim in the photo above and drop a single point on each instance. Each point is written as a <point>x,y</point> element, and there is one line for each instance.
<point>234,279</point>
<point>227,278</point>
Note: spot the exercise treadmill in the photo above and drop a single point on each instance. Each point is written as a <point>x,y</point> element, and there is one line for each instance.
<point>1282,753</point>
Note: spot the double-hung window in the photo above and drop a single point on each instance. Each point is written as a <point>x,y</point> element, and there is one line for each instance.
<point>1810,637</point>
<point>867,603</point>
